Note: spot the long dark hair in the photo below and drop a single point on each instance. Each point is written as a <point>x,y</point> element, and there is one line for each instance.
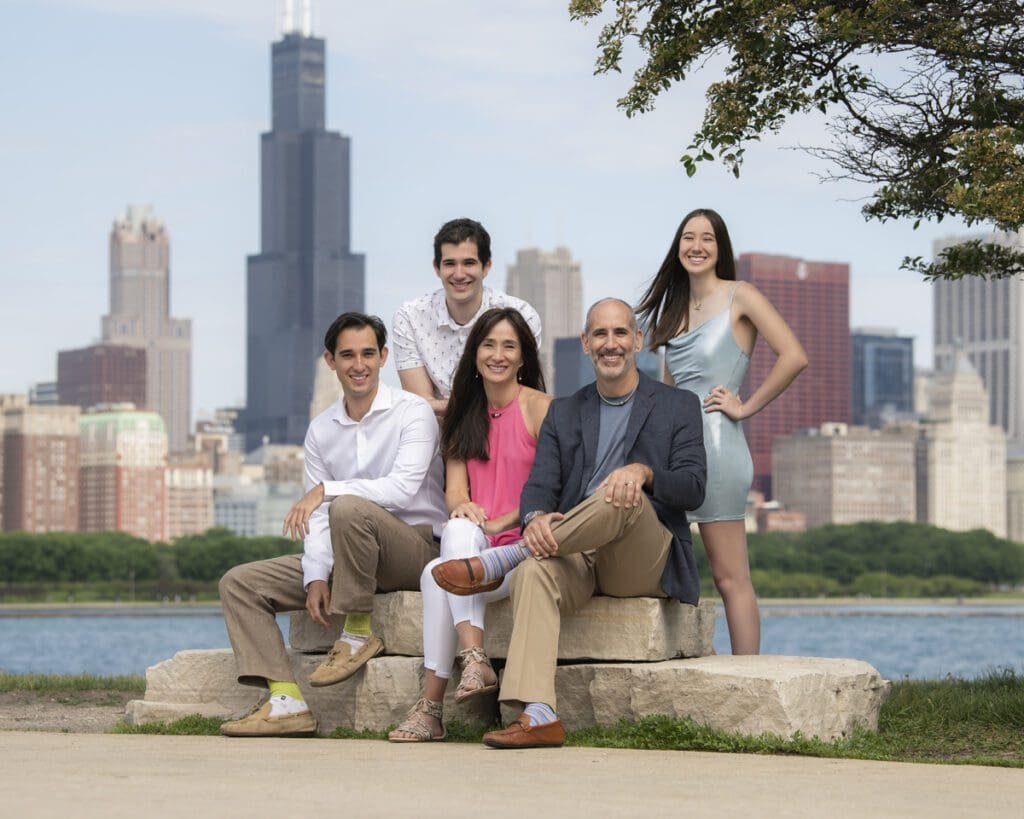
<point>465,425</point>
<point>664,307</point>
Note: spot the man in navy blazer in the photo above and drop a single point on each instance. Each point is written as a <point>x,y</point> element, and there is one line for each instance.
<point>604,510</point>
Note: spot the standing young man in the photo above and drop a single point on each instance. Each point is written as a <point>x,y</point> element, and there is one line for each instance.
<point>429,333</point>
<point>370,521</point>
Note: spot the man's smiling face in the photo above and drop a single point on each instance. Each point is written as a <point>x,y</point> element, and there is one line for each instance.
<point>461,272</point>
<point>612,340</point>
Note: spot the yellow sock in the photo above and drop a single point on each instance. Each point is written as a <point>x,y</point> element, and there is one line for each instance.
<point>288,688</point>
<point>358,624</point>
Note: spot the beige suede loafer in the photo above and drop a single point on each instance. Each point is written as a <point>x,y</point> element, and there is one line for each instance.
<point>342,663</point>
<point>259,723</point>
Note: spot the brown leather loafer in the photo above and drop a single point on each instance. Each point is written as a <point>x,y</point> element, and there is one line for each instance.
<point>523,734</point>
<point>463,576</point>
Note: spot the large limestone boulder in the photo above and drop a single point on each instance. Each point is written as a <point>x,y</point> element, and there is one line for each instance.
<point>643,629</point>
<point>197,681</point>
<point>204,682</point>
<point>815,696</point>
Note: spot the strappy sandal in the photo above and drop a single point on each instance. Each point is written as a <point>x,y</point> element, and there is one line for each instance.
<point>473,683</point>
<point>417,726</point>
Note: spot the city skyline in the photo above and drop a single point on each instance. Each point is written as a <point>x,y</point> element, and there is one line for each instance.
<point>534,148</point>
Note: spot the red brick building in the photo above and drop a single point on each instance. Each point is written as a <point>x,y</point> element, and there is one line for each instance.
<point>814,299</point>
<point>123,472</point>
<point>102,374</point>
<point>40,468</point>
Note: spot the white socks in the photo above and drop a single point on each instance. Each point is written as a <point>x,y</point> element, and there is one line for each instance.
<point>284,706</point>
<point>355,640</point>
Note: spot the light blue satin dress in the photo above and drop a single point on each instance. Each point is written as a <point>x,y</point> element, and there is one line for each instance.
<point>699,361</point>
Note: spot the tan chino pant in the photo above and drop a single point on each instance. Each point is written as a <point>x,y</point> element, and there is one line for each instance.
<point>373,551</point>
<point>618,551</point>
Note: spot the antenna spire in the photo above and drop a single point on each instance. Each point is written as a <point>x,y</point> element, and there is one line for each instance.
<point>290,25</point>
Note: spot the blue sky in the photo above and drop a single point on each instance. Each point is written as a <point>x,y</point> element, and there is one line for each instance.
<point>455,108</point>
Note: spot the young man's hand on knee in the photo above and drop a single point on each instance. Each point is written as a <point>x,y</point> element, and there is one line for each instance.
<point>318,602</point>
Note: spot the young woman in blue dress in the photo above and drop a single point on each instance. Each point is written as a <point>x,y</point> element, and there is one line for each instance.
<point>708,323</point>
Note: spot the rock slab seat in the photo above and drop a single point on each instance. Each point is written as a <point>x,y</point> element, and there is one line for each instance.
<point>643,629</point>
<point>204,681</point>
<point>815,696</point>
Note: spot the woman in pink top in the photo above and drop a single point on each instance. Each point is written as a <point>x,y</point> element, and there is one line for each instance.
<point>488,438</point>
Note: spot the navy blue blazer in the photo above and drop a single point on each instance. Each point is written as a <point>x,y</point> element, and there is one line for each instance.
<point>665,432</point>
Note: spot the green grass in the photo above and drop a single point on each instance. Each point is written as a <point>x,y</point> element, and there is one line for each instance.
<point>66,684</point>
<point>978,722</point>
<point>192,725</point>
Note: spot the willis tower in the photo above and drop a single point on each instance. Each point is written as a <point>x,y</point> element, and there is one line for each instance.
<point>305,273</point>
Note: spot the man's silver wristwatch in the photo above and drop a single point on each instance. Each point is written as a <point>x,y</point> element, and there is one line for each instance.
<point>530,516</point>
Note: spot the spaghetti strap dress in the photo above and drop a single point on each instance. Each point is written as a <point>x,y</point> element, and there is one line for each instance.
<point>699,361</point>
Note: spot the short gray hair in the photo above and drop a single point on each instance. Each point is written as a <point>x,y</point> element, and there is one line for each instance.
<point>632,316</point>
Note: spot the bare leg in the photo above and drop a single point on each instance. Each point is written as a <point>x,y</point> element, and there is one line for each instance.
<point>472,637</point>
<point>469,635</point>
<point>725,541</point>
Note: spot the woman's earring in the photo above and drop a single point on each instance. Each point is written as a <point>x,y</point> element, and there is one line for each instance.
<point>519,375</point>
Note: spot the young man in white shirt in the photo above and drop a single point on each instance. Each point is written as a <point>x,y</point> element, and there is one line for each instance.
<point>370,521</point>
<point>429,333</point>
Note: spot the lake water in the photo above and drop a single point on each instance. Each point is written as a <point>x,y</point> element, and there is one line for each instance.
<point>918,641</point>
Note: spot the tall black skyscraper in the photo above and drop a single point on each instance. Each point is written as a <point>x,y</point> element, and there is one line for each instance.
<point>305,273</point>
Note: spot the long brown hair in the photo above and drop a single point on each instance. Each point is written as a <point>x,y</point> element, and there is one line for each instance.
<point>664,308</point>
<point>465,425</point>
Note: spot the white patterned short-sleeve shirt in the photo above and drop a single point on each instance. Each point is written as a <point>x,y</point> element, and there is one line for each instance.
<point>423,334</point>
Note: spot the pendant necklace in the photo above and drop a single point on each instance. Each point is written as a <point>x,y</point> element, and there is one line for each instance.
<point>497,412</point>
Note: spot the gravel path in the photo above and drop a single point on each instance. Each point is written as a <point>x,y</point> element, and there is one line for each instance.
<point>87,712</point>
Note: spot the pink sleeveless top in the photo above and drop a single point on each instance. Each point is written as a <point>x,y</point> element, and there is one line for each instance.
<point>496,483</point>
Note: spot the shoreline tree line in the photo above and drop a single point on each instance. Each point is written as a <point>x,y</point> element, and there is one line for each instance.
<point>875,559</point>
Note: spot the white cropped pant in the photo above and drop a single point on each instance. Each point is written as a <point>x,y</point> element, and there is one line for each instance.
<point>441,610</point>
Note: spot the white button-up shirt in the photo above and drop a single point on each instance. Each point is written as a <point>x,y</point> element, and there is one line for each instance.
<point>423,334</point>
<point>390,457</point>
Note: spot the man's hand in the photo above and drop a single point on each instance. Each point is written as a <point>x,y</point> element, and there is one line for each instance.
<point>624,487</point>
<point>470,511</point>
<point>318,602</point>
<point>539,538</point>
<point>296,522</point>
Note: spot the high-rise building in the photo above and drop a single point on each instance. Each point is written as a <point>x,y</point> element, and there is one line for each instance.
<point>255,500</point>
<point>7,401</point>
<point>961,457</point>
<point>553,284</point>
<point>835,473</point>
<point>40,467</point>
<point>140,261</point>
<point>985,318</point>
<point>43,394</point>
<point>123,471</point>
<point>572,367</point>
<point>883,376</point>
<point>102,374</point>
<point>305,273</point>
<point>1015,495</point>
<point>189,483</point>
<point>814,299</point>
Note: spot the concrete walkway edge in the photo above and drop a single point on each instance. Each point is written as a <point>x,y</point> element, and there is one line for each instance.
<point>111,776</point>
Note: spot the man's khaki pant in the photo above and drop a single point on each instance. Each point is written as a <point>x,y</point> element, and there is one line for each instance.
<point>618,551</point>
<point>373,551</point>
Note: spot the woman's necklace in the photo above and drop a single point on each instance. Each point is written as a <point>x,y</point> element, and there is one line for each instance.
<point>497,412</point>
<point>617,402</point>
